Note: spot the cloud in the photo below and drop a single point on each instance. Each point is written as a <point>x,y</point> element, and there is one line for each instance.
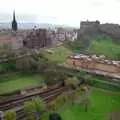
<point>7,17</point>
<point>61,11</point>
<point>97,3</point>
<point>117,0</point>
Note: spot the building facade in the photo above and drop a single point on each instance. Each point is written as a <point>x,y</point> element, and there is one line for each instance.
<point>37,38</point>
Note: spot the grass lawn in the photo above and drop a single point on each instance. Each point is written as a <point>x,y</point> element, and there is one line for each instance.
<point>59,53</point>
<point>102,104</point>
<point>106,47</point>
<point>19,82</point>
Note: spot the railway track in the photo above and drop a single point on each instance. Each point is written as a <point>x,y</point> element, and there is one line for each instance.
<point>19,100</point>
<point>20,111</point>
<point>17,103</point>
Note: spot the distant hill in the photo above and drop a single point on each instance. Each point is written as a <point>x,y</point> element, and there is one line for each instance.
<point>31,25</point>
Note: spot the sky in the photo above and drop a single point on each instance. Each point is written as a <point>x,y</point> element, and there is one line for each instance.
<point>69,12</point>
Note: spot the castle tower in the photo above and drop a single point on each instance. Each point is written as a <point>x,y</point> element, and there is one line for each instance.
<point>14,22</point>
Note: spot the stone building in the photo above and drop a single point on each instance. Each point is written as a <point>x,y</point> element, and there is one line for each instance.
<point>89,24</point>
<point>37,38</point>
<point>66,34</point>
<point>59,35</point>
<point>88,27</point>
<point>12,39</point>
<point>93,27</point>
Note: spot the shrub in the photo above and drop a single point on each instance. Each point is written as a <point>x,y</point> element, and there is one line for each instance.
<point>88,79</point>
<point>53,105</point>
<point>39,105</point>
<point>26,64</point>
<point>53,76</point>
<point>72,81</point>
<point>10,115</point>
<point>54,116</point>
<point>34,108</point>
<point>61,100</point>
<point>29,109</point>
<point>106,85</point>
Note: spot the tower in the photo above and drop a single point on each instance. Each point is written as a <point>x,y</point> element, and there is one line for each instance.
<point>14,22</point>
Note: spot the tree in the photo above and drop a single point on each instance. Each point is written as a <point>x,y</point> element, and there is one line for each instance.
<point>87,79</point>
<point>55,116</point>
<point>39,105</point>
<point>84,99</point>
<point>10,115</point>
<point>41,65</point>
<point>26,64</point>
<point>33,109</point>
<point>73,81</point>
<point>54,75</point>
<point>29,109</point>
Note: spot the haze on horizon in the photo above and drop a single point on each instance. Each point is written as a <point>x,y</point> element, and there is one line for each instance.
<point>69,12</point>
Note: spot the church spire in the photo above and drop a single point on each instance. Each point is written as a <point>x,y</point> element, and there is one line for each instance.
<point>14,22</point>
<point>14,16</point>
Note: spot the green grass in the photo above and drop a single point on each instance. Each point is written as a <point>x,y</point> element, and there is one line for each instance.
<point>106,47</point>
<point>96,44</point>
<point>59,54</point>
<point>102,104</point>
<point>19,82</point>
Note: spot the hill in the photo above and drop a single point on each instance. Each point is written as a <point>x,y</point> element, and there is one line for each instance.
<point>97,39</point>
<point>106,46</point>
<point>97,44</point>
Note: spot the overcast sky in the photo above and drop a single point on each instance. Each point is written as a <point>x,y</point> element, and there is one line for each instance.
<point>69,12</point>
